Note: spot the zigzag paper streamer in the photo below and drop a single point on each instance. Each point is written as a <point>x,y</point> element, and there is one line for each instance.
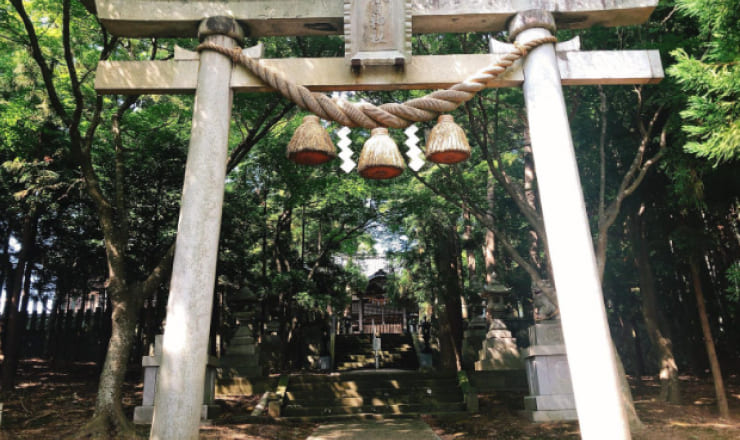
<point>414,152</point>
<point>346,154</point>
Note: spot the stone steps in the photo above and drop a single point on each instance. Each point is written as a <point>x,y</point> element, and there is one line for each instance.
<point>371,393</point>
<point>297,410</point>
<point>362,399</point>
<point>354,352</point>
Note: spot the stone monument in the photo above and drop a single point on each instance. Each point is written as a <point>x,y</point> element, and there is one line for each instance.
<point>548,375</point>
<point>241,362</point>
<point>150,366</point>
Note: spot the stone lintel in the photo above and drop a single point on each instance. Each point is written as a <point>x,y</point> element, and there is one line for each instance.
<point>180,18</point>
<point>426,72</point>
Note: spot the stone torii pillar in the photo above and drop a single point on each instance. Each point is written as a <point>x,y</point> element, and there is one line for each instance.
<point>211,77</point>
<point>185,340</point>
<point>588,343</point>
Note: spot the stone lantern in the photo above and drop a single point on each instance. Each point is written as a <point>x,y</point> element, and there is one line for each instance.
<point>499,350</point>
<point>495,294</point>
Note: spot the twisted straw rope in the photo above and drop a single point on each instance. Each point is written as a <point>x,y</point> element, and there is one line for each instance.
<point>395,115</point>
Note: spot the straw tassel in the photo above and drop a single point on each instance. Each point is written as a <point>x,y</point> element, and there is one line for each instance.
<point>447,142</point>
<point>311,144</point>
<point>380,158</point>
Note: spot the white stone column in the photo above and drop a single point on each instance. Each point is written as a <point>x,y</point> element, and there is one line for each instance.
<point>585,329</point>
<point>179,396</point>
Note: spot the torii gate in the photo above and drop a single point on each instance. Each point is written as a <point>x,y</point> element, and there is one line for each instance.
<point>213,79</point>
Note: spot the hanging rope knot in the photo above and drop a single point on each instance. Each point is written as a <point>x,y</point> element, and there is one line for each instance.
<point>366,115</point>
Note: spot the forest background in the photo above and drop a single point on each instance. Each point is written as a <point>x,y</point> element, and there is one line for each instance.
<point>90,188</point>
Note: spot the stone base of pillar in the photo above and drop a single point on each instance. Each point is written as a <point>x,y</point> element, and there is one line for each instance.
<point>551,392</point>
<point>555,415</point>
<point>150,364</point>
<point>143,414</point>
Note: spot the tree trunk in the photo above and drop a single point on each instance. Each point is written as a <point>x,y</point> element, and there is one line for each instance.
<point>638,348</point>
<point>531,197</point>
<point>489,248</point>
<point>109,420</point>
<point>470,263</point>
<point>12,341</point>
<point>719,386</point>
<point>5,269</point>
<point>447,250</point>
<point>26,291</point>
<point>633,419</point>
<point>668,374</point>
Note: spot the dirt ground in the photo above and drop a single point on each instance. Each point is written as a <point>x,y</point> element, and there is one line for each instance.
<point>52,404</point>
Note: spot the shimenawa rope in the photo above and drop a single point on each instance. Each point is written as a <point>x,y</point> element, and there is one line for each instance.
<point>395,115</point>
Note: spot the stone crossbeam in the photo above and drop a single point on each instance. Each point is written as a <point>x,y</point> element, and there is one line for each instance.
<point>426,72</point>
<point>180,18</point>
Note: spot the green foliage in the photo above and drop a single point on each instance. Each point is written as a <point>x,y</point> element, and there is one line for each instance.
<point>733,282</point>
<point>711,80</point>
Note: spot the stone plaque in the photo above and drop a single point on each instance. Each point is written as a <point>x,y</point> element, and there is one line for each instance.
<point>377,32</point>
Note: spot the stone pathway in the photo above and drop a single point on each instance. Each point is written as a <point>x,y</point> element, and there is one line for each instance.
<point>406,429</point>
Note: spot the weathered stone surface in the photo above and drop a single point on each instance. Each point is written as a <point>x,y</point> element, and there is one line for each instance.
<point>243,349</point>
<point>505,362</point>
<point>150,379</point>
<point>506,358</point>
<point>377,33</point>
<point>543,350</point>
<point>497,324</point>
<point>426,72</point>
<point>548,375</point>
<point>180,18</point>
<point>238,385</point>
<point>552,402</point>
<point>498,334</point>
<point>500,344</point>
<point>551,416</point>
<point>499,350</point>
<point>143,414</point>
<point>478,323</point>
<point>472,342</point>
<point>488,381</point>
<point>546,333</point>
<point>150,364</point>
<point>240,362</point>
